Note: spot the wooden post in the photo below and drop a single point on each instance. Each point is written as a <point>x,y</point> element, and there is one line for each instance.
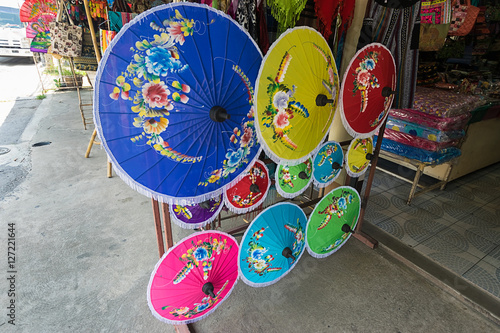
<point>159,235</point>
<point>92,31</point>
<point>167,226</point>
<point>364,202</point>
<point>98,57</point>
<point>168,239</point>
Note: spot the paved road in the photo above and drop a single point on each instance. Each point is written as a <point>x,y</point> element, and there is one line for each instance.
<point>19,86</point>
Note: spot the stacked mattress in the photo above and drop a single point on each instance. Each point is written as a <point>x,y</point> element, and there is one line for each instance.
<point>432,130</point>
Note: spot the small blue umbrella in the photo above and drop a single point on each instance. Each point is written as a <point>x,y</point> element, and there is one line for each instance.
<point>173,102</point>
<point>327,164</point>
<point>272,244</point>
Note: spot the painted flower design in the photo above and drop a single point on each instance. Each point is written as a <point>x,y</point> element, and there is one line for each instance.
<point>180,30</point>
<point>200,253</point>
<point>280,100</point>
<point>247,136</point>
<point>159,61</point>
<point>260,264</point>
<point>234,157</point>
<point>122,89</point>
<point>280,120</point>
<point>153,126</point>
<point>364,78</point>
<point>257,254</point>
<point>156,95</point>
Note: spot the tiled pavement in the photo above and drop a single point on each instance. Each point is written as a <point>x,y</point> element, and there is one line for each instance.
<point>459,227</point>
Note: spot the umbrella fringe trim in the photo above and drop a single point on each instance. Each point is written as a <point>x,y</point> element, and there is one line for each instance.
<point>163,198</point>
<point>212,309</point>
<point>265,284</point>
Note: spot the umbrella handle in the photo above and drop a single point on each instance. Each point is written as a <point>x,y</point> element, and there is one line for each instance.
<point>322,100</point>
<point>347,228</point>
<point>336,166</point>
<point>205,204</point>
<point>387,91</point>
<point>219,114</point>
<point>303,175</point>
<point>208,289</point>
<point>254,188</point>
<point>287,253</point>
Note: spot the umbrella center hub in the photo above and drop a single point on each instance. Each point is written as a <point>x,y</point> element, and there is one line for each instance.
<point>219,114</point>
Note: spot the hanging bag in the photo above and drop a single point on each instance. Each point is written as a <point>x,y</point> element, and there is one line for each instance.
<point>463,18</point>
<point>66,39</point>
<point>432,36</point>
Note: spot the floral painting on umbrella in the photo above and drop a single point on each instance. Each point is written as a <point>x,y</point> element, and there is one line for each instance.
<point>161,78</point>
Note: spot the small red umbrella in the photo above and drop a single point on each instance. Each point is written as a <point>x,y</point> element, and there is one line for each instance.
<point>368,90</point>
<point>248,193</point>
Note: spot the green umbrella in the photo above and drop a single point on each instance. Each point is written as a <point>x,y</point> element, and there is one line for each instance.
<point>332,222</point>
<point>293,180</point>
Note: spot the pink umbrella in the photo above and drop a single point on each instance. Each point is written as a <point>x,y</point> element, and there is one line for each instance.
<point>194,277</point>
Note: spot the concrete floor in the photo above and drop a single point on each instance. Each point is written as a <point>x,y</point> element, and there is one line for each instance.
<point>86,246</point>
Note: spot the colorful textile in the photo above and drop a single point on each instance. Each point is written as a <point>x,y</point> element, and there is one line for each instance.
<point>41,42</point>
<point>31,10</point>
<point>444,103</point>
<point>422,155</point>
<point>193,278</point>
<point>174,103</point>
<point>286,12</point>
<point>246,15</point>
<point>298,67</point>
<point>329,225</point>
<point>272,245</point>
<point>118,19</point>
<point>398,29</point>
<point>418,142</point>
<point>436,11</point>
<point>106,36</point>
<point>427,120</point>
<point>423,132</point>
<point>66,39</point>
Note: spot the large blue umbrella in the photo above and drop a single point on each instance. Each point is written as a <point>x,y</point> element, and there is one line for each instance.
<point>173,102</point>
<point>272,244</point>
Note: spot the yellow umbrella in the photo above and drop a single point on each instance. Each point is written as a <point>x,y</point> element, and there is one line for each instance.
<point>296,94</point>
<point>358,156</point>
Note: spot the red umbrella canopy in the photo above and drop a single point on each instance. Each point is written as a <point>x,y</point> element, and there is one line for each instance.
<point>31,9</point>
<point>368,90</point>
<point>250,191</point>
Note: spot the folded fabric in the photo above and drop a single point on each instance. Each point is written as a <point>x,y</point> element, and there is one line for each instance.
<point>418,142</point>
<point>443,124</point>
<point>422,155</point>
<point>444,103</point>
<point>427,133</point>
